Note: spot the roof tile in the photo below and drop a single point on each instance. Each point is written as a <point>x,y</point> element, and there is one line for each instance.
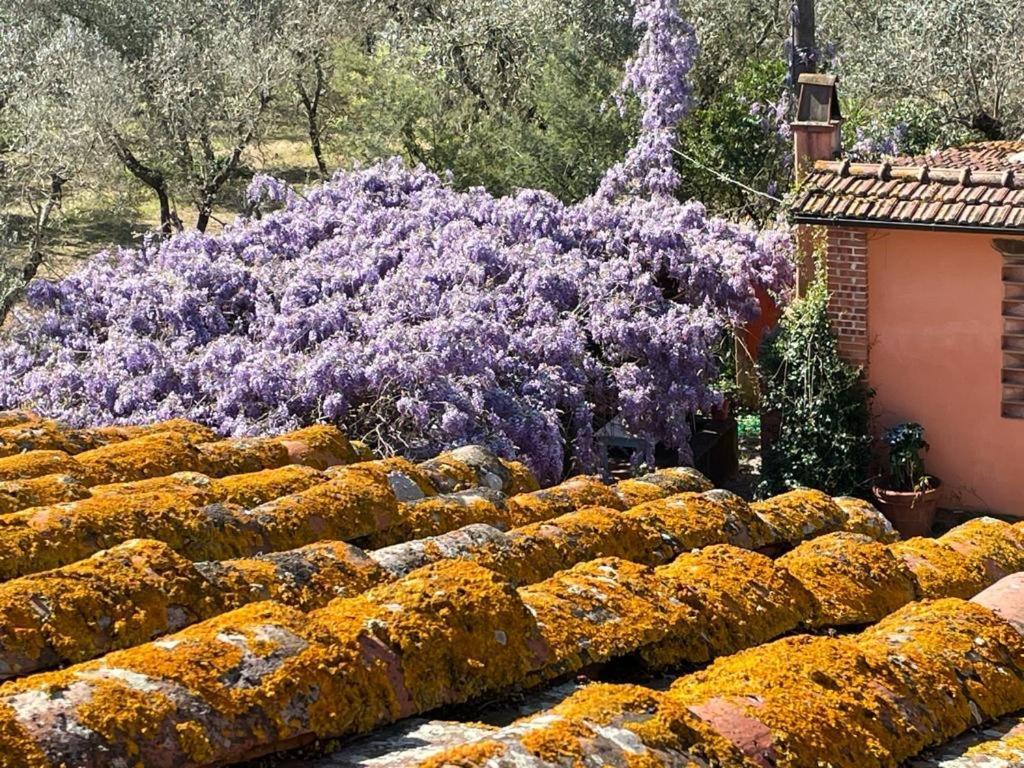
<point>977,185</point>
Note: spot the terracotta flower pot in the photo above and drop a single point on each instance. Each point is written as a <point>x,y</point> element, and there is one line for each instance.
<point>912,513</point>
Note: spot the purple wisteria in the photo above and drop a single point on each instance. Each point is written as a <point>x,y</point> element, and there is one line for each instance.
<point>657,74</point>
<point>417,316</point>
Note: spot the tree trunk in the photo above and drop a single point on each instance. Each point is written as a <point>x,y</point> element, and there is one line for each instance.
<point>35,254</point>
<point>203,219</point>
<point>311,105</point>
<point>155,180</point>
<point>209,186</point>
<point>804,52</point>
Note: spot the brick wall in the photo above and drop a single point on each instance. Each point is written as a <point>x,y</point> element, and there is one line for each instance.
<point>847,263</point>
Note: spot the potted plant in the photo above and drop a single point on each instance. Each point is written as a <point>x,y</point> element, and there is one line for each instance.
<point>908,496</point>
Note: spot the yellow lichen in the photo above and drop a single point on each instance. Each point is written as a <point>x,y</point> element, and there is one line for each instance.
<point>147,456</point>
<point>862,517</point>
<point>254,488</point>
<point>573,494</point>
<point>743,599</point>
<point>176,483</point>
<point>16,495</point>
<point>118,598</point>
<point>24,466</point>
<point>795,698</point>
<point>958,660</point>
<point>439,514</point>
<point>687,520</point>
<point>537,551</point>
<point>997,545</point>
<point>241,455</point>
<point>405,478</point>
<point>800,514</point>
<point>604,608</point>
<point>473,755</point>
<point>47,435</point>
<point>851,578</point>
<point>349,506</point>
<point>660,484</point>
<point>14,418</point>
<point>308,577</point>
<point>189,430</point>
<point>940,570</point>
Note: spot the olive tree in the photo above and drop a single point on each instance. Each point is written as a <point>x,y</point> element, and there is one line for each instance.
<point>197,78</point>
<point>964,58</point>
<point>51,87</point>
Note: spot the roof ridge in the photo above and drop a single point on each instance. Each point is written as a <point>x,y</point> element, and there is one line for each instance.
<point>964,175</point>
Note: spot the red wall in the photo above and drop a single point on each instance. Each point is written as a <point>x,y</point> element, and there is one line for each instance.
<point>934,331</point>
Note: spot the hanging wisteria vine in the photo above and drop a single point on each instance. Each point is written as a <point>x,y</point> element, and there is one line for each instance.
<point>418,316</point>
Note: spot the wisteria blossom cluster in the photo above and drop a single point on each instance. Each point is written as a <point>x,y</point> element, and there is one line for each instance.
<point>878,140</point>
<point>657,74</point>
<point>418,316</point>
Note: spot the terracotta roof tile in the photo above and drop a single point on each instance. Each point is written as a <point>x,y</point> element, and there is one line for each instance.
<point>978,185</point>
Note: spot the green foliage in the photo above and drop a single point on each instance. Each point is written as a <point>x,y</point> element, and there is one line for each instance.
<point>906,467</point>
<point>734,134</point>
<point>824,440</point>
<point>559,134</point>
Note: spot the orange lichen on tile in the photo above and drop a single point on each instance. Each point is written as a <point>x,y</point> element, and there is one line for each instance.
<point>175,483</point>
<point>49,435</point>
<point>14,418</point>
<point>251,489</point>
<point>800,514</point>
<point>46,435</point>
<point>940,570</point>
<point>349,506</point>
<point>190,430</point>
<point>436,515</point>
<point>473,466</point>
<point>308,577</point>
<point>851,578</point>
<point>743,600</point>
<point>539,550</point>
<point>248,489</point>
<point>16,495</point>
<point>240,455</point>
<point>604,608</point>
<point>961,662</point>
<point>998,545</point>
<point>602,724</point>
<point>146,456</point>
<point>25,466</point>
<point>193,522</point>
<point>41,538</point>
<point>863,517</point>
<point>568,496</point>
<point>319,446</point>
<point>661,484</point>
<point>687,520</point>
<point>795,698</point>
<point>408,481</point>
<point>120,597</point>
<point>240,683</point>
<point>155,454</point>
<point>264,674</point>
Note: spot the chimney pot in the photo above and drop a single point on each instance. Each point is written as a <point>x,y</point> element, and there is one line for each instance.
<point>817,131</point>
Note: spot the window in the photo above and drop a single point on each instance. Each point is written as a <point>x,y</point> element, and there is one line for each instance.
<point>1013,327</point>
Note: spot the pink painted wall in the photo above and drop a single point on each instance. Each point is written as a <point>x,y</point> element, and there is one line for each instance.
<point>934,328</point>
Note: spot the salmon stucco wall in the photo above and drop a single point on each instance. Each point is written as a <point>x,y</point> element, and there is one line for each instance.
<point>934,336</point>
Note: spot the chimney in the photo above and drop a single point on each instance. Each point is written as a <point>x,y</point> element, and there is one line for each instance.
<point>816,130</point>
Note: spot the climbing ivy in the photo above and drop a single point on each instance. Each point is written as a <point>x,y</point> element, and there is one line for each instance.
<point>820,403</point>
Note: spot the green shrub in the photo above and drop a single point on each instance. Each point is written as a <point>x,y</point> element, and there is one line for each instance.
<point>822,404</point>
